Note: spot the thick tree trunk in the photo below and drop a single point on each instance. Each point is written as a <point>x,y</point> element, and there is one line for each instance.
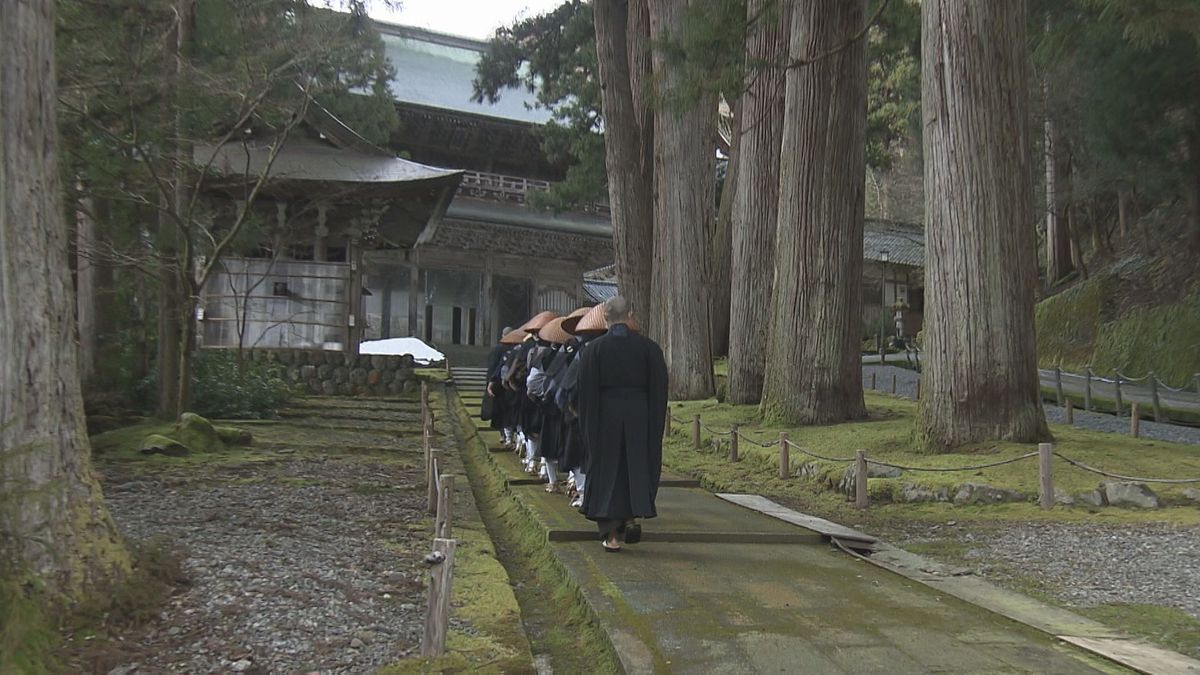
<point>720,254</point>
<point>756,200</point>
<point>815,334</point>
<point>630,175</point>
<point>980,376</point>
<point>53,522</point>
<point>85,288</point>
<point>683,166</point>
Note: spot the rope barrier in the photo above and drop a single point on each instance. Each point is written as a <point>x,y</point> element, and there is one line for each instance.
<point>714,432</point>
<point>761,444</point>
<point>1101,472</point>
<point>976,467</point>
<point>816,456</point>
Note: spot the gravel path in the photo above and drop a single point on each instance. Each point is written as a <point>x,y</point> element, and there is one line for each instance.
<point>906,386</point>
<point>296,565</point>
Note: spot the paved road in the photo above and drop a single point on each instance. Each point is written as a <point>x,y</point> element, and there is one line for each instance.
<point>1074,386</point>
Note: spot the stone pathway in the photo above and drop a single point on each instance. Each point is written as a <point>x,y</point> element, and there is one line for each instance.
<point>685,601</point>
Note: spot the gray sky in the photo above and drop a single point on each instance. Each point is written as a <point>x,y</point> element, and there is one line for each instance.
<point>469,18</point>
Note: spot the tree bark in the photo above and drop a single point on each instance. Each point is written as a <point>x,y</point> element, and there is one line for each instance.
<point>630,171</point>
<point>720,253</point>
<point>756,200</point>
<point>815,334</point>
<point>684,158</point>
<point>53,522</point>
<point>980,380</point>
<point>85,287</point>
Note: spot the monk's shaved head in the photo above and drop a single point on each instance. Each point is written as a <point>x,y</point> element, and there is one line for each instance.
<point>616,310</point>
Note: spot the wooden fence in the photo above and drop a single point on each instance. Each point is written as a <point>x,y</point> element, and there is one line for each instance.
<point>440,493</point>
<point>862,461</point>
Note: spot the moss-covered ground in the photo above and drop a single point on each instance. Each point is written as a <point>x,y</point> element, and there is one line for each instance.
<point>555,615</point>
<point>887,436</point>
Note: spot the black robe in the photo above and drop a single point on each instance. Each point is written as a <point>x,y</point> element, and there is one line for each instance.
<point>567,398</point>
<point>552,418</point>
<point>494,361</point>
<point>623,407</point>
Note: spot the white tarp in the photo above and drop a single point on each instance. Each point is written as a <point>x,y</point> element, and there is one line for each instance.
<point>421,352</point>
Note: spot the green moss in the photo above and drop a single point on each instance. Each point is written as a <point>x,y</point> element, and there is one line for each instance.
<point>28,638</point>
<point>1069,323</point>
<point>1165,625</point>
<point>887,436</point>
<point>198,434</point>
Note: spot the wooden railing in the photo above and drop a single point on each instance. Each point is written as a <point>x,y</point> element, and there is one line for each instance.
<point>512,189</point>
<point>441,559</point>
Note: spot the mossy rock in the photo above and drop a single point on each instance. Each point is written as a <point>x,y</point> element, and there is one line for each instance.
<point>198,434</point>
<point>235,436</point>
<point>157,444</point>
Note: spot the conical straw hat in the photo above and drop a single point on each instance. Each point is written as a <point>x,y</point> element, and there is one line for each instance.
<point>573,318</point>
<point>541,319</point>
<point>593,322</point>
<point>553,332</point>
<point>513,337</point>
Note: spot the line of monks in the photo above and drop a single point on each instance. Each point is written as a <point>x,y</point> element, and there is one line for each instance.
<point>583,397</point>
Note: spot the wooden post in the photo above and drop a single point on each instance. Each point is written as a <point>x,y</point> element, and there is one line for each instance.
<point>445,507</point>
<point>872,379</point>
<point>1196,382</point>
<point>437,612</point>
<point>1134,419</point>
<point>893,384</point>
<point>733,443</point>
<point>1070,411</point>
<point>918,388</point>
<point>431,492</point>
<point>695,432</point>
<point>1046,471</point>
<point>1087,388</point>
<point>1058,388</point>
<point>424,402</point>
<point>1120,402</point>
<point>1158,416</point>
<point>860,479</point>
<point>785,464</point>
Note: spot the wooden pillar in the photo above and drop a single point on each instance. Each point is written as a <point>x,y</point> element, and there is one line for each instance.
<point>437,612</point>
<point>385,306</point>
<point>1058,388</point>
<point>416,297</point>
<point>785,463</point>
<point>1070,412</point>
<point>1046,472</point>
<point>1120,404</point>
<point>695,432</point>
<point>1134,419</point>
<point>320,246</point>
<point>354,322</point>
<point>861,498</point>
<point>733,443</point>
<point>1158,414</point>
<point>1087,388</point>
<point>487,332</point>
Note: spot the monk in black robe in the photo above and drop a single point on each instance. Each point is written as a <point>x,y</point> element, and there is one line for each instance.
<point>495,388</point>
<point>623,407</point>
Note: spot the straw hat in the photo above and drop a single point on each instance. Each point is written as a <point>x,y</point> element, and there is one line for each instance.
<point>553,332</point>
<point>513,337</point>
<point>593,322</point>
<point>573,318</point>
<point>541,319</point>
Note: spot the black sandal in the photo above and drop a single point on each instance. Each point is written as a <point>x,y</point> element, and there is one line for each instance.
<point>633,533</point>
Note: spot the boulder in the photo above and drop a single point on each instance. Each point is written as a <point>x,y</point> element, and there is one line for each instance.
<point>847,483</point>
<point>358,376</point>
<point>328,388</point>
<point>917,493</point>
<point>1128,493</point>
<point>374,377</point>
<point>235,436</point>
<point>1093,498</point>
<point>197,433</point>
<point>1192,494</point>
<point>324,371</point>
<point>308,372</point>
<point>982,493</point>
<point>378,361</point>
<point>1064,498</point>
<point>156,444</point>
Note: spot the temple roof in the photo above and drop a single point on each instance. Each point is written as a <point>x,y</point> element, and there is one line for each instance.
<point>307,160</point>
<point>437,70</point>
<point>903,242</point>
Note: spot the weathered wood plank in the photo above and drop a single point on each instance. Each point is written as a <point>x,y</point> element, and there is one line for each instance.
<point>825,527</point>
<point>1136,654</point>
<point>437,612</point>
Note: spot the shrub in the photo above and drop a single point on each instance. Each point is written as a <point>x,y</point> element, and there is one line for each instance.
<point>224,387</point>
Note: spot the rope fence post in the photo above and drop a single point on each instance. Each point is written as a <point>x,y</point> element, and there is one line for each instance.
<point>1120,402</point>
<point>872,379</point>
<point>695,432</point>
<point>860,479</point>
<point>1087,388</point>
<point>785,464</point>
<point>733,443</point>
<point>437,612</point>
<point>1058,388</point>
<point>893,384</point>
<point>1158,416</point>
<point>918,397</point>
<point>445,507</point>
<point>1046,472</point>
<point>431,492</point>
<point>1070,411</point>
<point>1133,419</point>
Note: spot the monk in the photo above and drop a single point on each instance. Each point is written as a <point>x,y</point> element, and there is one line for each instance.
<point>623,407</point>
